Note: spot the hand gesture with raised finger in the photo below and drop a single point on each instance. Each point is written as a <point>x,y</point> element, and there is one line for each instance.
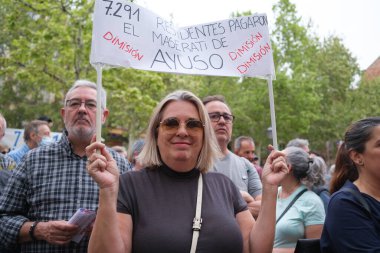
<point>101,166</point>
<point>275,168</point>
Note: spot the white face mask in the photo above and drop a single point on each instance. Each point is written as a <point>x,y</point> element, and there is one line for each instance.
<point>46,140</point>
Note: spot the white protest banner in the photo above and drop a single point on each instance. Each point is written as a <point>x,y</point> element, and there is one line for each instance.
<point>127,35</point>
<point>14,138</point>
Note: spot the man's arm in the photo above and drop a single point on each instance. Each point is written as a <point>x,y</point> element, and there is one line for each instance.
<point>254,189</point>
<point>255,186</point>
<point>13,207</point>
<point>254,206</point>
<point>253,203</point>
<point>54,232</point>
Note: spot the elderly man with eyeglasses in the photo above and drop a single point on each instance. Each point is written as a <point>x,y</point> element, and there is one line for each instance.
<point>238,169</point>
<point>51,183</point>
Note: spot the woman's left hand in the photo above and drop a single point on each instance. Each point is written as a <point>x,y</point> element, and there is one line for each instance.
<point>275,168</point>
<point>101,166</point>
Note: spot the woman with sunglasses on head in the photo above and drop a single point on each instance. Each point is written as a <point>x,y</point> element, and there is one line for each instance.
<point>353,215</point>
<point>156,209</point>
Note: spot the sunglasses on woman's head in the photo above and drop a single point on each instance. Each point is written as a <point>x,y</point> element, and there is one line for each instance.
<point>172,125</point>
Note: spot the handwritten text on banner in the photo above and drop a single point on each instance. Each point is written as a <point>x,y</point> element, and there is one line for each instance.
<point>127,35</point>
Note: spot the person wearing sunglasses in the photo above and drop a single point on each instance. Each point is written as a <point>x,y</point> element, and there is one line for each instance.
<point>237,168</point>
<point>153,209</point>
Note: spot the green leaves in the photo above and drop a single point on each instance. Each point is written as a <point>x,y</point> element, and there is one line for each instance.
<point>45,47</point>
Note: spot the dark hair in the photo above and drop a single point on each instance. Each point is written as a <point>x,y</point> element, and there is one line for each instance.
<point>45,118</point>
<point>355,138</point>
<point>209,99</point>
<point>219,98</point>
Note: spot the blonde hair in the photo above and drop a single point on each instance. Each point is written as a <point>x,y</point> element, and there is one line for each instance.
<point>150,156</point>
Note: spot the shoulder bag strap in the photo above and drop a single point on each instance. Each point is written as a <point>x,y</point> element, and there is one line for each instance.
<point>290,204</point>
<point>197,219</point>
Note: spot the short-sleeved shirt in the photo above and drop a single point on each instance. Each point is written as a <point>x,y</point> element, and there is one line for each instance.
<point>349,227</point>
<point>241,172</point>
<point>306,211</point>
<point>162,204</point>
<point>18,154</point>
<point>50,183</point>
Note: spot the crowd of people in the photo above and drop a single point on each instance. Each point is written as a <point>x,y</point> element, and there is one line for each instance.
<point>181,189</point>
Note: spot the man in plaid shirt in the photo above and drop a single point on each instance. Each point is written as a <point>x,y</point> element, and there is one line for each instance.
<point>51,182</point>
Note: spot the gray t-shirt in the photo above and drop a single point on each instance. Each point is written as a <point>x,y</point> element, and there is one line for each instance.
<point>162,205</point>
<point>241,172</point>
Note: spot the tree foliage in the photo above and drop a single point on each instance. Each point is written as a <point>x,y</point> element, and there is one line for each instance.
<point>45,47</point>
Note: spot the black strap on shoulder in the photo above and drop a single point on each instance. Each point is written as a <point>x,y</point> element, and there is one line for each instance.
<point>290,204</point>
<point>358,196</point>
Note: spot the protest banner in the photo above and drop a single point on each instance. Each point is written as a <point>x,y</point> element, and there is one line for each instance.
<point>14,138</point>
<point>127,35</point>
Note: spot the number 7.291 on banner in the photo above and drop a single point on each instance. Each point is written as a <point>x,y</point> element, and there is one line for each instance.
<point>121,10</point>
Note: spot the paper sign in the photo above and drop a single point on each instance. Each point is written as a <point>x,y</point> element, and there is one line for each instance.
<point>83,218</point>
<point>127,35</point>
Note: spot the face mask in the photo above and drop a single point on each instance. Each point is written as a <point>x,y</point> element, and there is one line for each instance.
<point>46,141</point>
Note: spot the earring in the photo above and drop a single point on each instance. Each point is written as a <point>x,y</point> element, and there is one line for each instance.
<point>361,163</point>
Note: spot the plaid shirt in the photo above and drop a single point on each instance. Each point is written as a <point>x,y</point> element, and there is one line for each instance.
<point>51,183</point>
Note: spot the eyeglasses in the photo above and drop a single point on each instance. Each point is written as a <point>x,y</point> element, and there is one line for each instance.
<point>215,117</point>
<point>172,125</point>
<point>76,103</point>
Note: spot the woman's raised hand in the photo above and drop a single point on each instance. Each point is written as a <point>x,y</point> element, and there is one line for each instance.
<point>101,166</point>
<point>275,168</point>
